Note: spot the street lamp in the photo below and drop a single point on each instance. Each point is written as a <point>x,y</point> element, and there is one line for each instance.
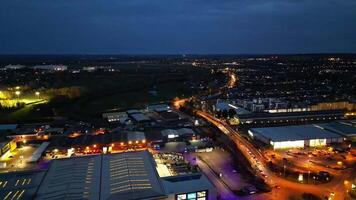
<point>17,93</point>
<point>37,94</point>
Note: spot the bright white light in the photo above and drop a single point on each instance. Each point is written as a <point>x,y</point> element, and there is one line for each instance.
<point>171,136</point>
<point>288,144</point>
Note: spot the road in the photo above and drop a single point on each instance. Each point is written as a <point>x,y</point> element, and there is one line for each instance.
<point>258,161</point>
<point>224,191</point>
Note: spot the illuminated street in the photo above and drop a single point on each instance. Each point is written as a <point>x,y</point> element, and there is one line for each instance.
<point>287,187</point>
<point>178,100</point>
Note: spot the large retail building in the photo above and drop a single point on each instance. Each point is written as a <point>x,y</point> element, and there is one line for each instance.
<point>295,136</point>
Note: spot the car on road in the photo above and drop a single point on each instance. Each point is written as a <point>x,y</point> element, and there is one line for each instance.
<point>249,189</point>
<point>264,175</point>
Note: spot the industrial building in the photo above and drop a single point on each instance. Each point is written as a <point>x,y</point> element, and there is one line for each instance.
<point>7,145</point>
<point>267,119</point>
<point>120,117</point>
<point>178,133</point>
<point>129,176</point>
<point>159,108</point>
<point>344,128</point>
<point>295,136</point>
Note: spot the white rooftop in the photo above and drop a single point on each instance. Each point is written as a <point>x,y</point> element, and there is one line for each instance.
<point>186,183</point>
<point>293,133</point>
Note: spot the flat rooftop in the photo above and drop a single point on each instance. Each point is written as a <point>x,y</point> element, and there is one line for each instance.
<point>123,176</point>
<point>139,117</point>
<point>126,176</point>
<point>265,115</point>
<point>345,128</point>
<point>183,183</point>
<point>292,133</point>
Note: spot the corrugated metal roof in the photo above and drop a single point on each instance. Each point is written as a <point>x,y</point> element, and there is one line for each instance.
<point>346,128</point>
<point>292,133</point>
<point>126,176</point>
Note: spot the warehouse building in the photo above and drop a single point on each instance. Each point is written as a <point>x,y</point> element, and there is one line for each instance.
<point>129,176</point>
<point>159,108</point>
<point>344,128</point>
<point>294,118</point>
<point>120,117</point>
<point>295,136</point>
<point>7,145</point>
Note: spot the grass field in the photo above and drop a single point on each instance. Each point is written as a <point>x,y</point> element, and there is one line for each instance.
<point>133,86</point>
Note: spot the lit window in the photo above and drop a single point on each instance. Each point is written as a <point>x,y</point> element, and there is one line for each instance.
<point>192,196</point>
<point>181,196</point>
<point>202,194</point>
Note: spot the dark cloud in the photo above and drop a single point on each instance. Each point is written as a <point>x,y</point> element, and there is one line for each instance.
<point>177,26</point>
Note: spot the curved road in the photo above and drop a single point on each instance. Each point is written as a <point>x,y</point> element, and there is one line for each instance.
<point>258,161</point>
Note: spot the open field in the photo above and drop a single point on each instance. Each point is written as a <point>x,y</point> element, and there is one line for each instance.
<point>129,86</point>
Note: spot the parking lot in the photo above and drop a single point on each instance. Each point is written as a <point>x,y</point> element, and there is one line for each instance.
<point>317,159</point>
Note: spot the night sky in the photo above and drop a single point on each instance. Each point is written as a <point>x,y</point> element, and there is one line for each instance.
<point>177,26</point>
